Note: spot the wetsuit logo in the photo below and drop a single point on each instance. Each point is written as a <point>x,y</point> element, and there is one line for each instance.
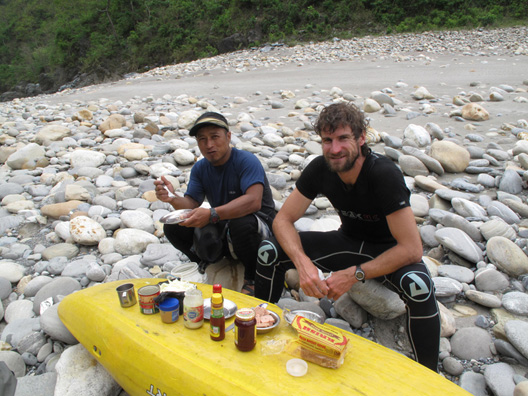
<point>267,253</point>
<point>416,285</point>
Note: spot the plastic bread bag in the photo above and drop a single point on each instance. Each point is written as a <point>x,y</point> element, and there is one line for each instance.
<point>318,343</point>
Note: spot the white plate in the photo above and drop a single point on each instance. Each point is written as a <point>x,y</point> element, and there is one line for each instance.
<point>230,308</point>
<point>175,217</point>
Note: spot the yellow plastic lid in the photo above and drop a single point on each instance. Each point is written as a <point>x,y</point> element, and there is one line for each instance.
<point>216,298</point>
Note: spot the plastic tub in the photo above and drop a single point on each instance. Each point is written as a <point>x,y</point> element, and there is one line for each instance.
<point>169,310</point>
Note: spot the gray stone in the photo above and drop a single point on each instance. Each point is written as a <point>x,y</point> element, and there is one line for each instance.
<point>20,309</point>
<point>511,182</point>
<point>377,300</point>
<point>484,299</point>
<point>471,343</point>
<point>507,349</point>
<point>31,343</point>
<point>5,288</point>
<point>516,303</point>
<point>159,254</point>
<point>452,366</point>
<point>412,166</point>
<point>15,331</point>
<point>474,383</point>
<point>460,243</point>
<point>41,385</point>
<point>14,361</point>
<point>499,377</point>
<point>497,227</point>
<point>461,274</point>
<point>36,284</point>
<point>447,287</point>
<point>350,311</point>
<point>58,287</point>
<point>53,326</point>
<point>504,212</point>
<point>507,256</point>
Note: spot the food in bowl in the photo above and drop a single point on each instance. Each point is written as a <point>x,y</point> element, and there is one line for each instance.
<point>263,317</point>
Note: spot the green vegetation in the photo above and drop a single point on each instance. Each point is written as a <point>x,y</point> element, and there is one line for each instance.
<point>51,42</point>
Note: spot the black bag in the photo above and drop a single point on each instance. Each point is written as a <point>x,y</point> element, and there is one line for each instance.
<point>208,242</point>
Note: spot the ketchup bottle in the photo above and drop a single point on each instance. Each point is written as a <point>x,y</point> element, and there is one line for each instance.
<point>217,319</point>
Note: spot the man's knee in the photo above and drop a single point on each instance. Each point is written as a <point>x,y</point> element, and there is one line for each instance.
<point>268,252</point>
<point>418,289</point>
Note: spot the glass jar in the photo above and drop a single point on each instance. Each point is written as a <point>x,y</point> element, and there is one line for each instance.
<point>245,329</point>
<point>193,309</point>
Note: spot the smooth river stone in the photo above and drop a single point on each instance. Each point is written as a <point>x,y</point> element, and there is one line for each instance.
<point>507,256</point>
<point>460,243</point>
<point>470,209</point>
<point>484,299</point>
<point>517,333</point>
<point>497,227</point>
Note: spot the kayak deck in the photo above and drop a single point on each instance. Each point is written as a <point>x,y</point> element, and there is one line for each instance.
<point>147,356</point>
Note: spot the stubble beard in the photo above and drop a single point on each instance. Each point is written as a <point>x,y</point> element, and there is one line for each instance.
<point>339,168</point>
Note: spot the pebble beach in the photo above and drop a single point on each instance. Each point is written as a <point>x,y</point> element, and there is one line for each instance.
<point>78,206</point>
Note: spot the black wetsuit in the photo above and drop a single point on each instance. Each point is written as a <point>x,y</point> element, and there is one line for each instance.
<point>364,234</point>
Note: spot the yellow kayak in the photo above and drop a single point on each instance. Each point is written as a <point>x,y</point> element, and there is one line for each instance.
<point>149,357</point>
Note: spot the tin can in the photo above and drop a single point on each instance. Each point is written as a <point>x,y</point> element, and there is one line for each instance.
<point>146,295</point>
<point>127,296</point>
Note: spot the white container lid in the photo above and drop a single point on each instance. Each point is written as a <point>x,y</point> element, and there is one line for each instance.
<point>296,367</point>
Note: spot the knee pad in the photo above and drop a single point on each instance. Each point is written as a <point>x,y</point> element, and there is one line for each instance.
<point>267,253</point>
<point>417,286</point>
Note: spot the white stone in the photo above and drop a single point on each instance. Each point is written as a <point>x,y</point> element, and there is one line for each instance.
<point>131,241</point>
<point>86,231</point>
<point>138,220</point>
<point>79,374</point>
<point>183,157</point>
<point>418,134</point>
<point>81,158</point>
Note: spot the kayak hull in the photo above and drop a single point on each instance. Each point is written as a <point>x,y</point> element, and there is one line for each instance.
<point>149,357</point>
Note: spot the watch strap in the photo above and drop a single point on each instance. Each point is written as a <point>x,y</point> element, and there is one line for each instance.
<point>213,218</point>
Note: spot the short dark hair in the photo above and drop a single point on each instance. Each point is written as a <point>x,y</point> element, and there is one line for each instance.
<point>341,115</point>
<point>209,118</point>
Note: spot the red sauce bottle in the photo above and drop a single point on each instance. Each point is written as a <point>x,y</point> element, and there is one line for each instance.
<point>217,319</point>
<point>245,329</point>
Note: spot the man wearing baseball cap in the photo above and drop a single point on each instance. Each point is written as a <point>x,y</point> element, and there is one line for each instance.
<point>235,185</point>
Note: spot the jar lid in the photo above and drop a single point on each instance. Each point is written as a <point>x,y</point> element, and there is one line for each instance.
<point>216,298</point>
<point>169,304</point>
<point>245,314</point>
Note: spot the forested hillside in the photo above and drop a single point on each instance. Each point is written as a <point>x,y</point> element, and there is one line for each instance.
<point>57,41</point>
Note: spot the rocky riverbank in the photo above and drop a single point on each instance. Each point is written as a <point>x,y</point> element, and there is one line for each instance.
<point>450,108</point>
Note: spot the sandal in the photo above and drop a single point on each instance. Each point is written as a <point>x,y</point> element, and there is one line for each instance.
<point>249,288</point>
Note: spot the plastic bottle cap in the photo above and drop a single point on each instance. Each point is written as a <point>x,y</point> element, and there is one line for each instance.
<point>296,367</point>
<point>217,288</point>
<point>169,304</point>
<point>216,298</point>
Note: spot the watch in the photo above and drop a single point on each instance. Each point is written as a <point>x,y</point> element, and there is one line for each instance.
<point>360,274</point>
<point>214,218</point>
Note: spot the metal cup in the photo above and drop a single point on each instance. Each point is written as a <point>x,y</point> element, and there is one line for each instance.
<point>127,295</point>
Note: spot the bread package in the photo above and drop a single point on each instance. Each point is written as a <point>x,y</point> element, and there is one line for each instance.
<point>318,343</point>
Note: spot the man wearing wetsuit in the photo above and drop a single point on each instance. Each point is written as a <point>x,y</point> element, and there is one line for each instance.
<point>235,185</point>
<point>378,238</point>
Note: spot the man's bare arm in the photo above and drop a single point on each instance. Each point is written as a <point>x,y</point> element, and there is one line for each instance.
<point>408,250</point>
<point>287,236</point>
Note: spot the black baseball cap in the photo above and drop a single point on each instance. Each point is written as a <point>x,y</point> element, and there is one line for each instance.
<point>209,118</point>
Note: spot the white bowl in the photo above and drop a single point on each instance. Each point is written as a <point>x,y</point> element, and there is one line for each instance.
<point>296,367</point>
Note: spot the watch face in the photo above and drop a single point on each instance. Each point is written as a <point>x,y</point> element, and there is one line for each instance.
<point>360,275</point>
